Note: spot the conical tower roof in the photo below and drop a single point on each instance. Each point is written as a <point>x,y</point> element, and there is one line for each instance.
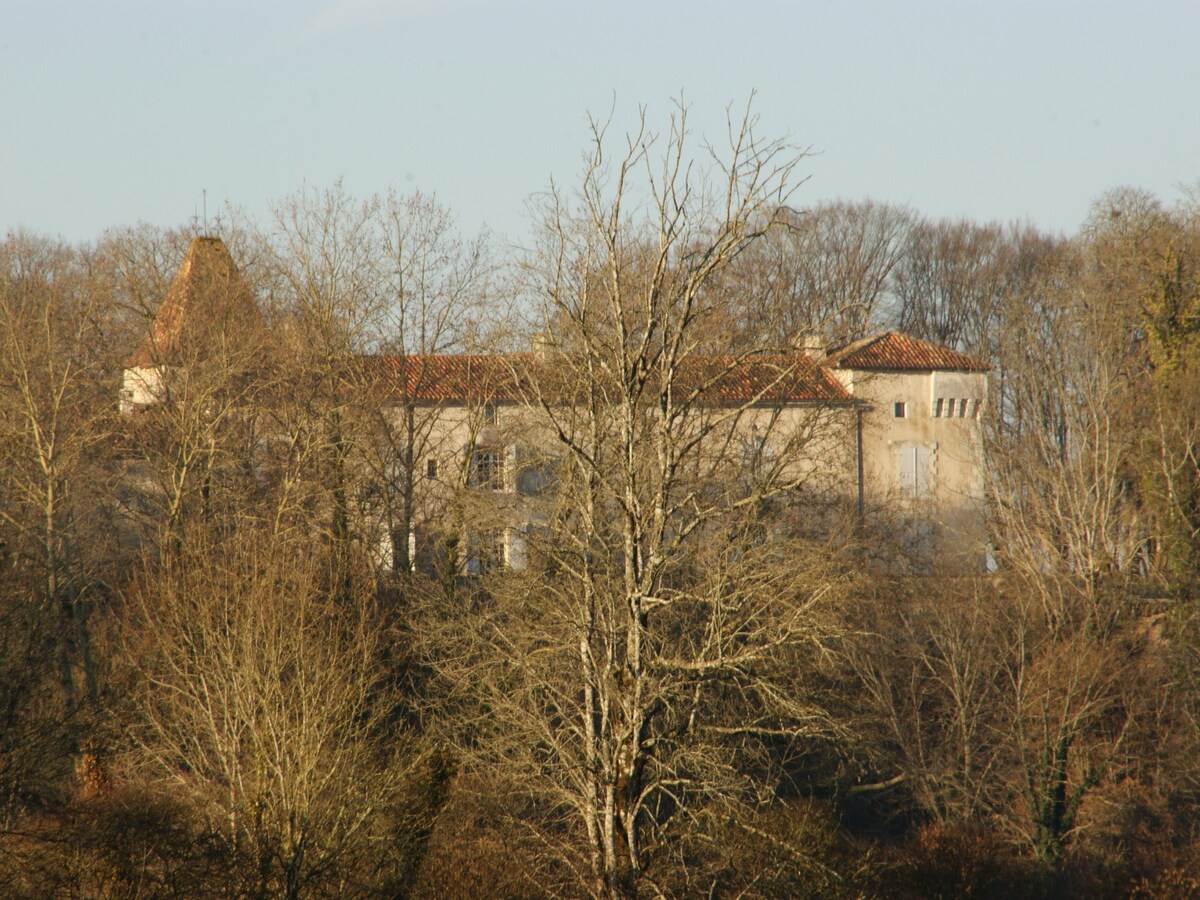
<point>208,309</point>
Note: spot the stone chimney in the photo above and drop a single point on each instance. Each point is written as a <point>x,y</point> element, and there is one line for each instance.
<point>543,346</point>
<point>812,346</point>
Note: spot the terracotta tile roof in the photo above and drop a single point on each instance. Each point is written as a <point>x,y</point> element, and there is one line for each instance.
<point>507,377</point>
<point>790,378</point>
<point>441,378</point>
<point>896,352</point>
<point>207,303</point>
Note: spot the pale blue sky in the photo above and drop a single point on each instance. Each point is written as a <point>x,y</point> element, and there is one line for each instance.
<point>119,111</point>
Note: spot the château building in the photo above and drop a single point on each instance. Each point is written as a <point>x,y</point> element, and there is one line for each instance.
<point>901,441</point>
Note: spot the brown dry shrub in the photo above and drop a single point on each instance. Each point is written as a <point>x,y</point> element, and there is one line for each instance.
<point>478,849</point>
<point>1170,884</point>
<point>793,848</point>
<point>956,861</point>
<point>127,843</point>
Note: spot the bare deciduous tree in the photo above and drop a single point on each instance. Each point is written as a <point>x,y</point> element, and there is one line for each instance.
<point>53,412</point>
<point>664,647</point>
<point>1063,443</point>
<point>266,704</point>
<point>1145,261</point>
<point>356,279</point>
<point>932,666</point>
<point>823,272</point>
<point>954,279</point>
<point>437,285</point>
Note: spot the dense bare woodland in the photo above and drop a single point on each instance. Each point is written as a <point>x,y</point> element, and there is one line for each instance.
<point>217,681</point>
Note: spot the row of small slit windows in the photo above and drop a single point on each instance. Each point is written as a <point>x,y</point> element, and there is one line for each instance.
<point>943,408</point>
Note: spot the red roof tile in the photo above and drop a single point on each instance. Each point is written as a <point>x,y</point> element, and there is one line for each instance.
<point>791,378</point>
<point>506,377</point>
<point>445,378</point>
<point>896,352</point>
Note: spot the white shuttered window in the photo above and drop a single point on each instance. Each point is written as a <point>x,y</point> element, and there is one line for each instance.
<point>914,468</point>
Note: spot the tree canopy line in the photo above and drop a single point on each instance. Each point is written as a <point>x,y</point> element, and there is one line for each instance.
<point>214,681</point>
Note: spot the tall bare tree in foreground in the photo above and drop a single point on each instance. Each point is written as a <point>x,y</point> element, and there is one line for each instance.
<point>635,679</point>
<point>54,412</point>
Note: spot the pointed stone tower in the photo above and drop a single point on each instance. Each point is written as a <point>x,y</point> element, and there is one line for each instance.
<point>208,313</point>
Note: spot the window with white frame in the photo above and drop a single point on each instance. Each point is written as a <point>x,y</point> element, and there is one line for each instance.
<point>487,468</point>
